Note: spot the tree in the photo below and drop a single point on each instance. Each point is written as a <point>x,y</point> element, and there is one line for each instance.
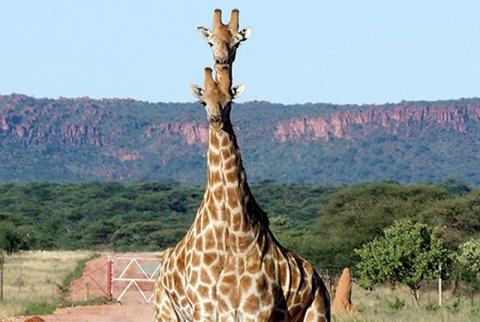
<point>164,238</point>
<point>9,237</point>
<point>468,265</point>
<point>407,253</point>
<point>457,219</point>
<point>355,215</point>
<point>470,255</point>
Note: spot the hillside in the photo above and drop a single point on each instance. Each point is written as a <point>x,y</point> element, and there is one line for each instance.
<point>126,140</point>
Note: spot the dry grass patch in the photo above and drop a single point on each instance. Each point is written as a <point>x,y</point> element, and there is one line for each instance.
<point>386,305</point>
<point>36,276</point>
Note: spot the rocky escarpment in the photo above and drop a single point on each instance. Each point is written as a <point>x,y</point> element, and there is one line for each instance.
<point>30,121</point>
<point>191,132</point>
<point>402,119</point>
<point>25,130</point>
<point>128,140</point>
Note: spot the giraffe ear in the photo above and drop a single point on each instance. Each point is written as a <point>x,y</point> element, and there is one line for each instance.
<point>197,91</point>
<point>238,90</point>
<point>243,35</point>
<point>204,32</point>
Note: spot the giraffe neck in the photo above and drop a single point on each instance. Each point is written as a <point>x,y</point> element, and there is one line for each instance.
<point>245,220</point>
<point>214,198</point>
<point>214,166</point>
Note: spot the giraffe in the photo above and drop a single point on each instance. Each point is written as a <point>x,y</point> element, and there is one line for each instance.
<point>225,39</point>
<point>261,280</point>
<point>186,287</point>
<point>229,266</point>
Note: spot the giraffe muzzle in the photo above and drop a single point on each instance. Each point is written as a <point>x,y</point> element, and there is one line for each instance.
<point>215,119</point>
<point>215,122</point>
<point>223,62</point>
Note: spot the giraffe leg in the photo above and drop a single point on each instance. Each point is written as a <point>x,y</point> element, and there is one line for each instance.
<point>319,309</point>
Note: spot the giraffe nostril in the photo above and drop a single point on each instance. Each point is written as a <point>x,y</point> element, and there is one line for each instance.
<point>215,119</point>
<point>221,61</point>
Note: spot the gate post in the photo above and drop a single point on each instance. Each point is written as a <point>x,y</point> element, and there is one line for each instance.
<point>109,278</point>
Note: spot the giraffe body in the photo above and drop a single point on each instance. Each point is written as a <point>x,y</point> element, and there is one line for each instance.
<point>229,266</point>
<point>261,280</point>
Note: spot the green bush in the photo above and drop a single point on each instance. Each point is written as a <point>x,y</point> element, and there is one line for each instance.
<point>397,304</point>
<point>432,307</point>
<point>43,308</point>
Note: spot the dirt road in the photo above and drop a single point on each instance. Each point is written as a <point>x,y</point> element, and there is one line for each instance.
<point>99,313</point>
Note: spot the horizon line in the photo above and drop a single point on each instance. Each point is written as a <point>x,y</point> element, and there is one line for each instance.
<point>244,102</point>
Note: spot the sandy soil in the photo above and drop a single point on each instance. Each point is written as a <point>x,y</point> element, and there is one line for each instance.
<point>99,313</point>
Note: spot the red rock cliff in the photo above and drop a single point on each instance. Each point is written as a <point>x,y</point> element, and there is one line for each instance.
<point>400,119</point>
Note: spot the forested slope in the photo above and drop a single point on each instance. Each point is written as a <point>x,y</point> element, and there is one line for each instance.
<point>125,140</point>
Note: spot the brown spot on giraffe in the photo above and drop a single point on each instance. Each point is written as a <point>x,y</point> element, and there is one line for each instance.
<point>229,164</point>
<point>209,258</point>
<point>251,304</point>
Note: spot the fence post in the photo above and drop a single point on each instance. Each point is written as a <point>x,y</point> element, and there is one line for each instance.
<point>87,292</point>
<point>109,278</point>
<point>2,260</point>
<point>440,286</point>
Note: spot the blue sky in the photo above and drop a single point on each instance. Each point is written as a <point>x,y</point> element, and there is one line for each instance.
<point>300,51</point>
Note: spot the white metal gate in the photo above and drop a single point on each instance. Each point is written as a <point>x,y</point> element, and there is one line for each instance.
<point>133,274</point>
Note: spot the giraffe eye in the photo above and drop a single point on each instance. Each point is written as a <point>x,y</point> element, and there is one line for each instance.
<point>203,103</point>
<point>210,44</point>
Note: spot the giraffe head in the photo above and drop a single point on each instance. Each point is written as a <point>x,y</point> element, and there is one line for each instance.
<point>217,95</point>
<point>225,39</point>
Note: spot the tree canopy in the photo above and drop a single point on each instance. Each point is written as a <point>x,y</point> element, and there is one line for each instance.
<point>323,223</point>
<point>407,253</point>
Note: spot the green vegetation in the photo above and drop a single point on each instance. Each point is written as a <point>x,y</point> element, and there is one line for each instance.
<point>468,268</point>
<point>470,256</point>
<point>324,223</point>
<point>147,216</point>
<point>355,215</point>
<point>408,253</point>
<point>49,306</point>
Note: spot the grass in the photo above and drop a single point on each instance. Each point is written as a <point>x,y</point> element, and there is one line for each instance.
<point>47,307</point>
<point>387,305</point>
<point>35,278</point>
